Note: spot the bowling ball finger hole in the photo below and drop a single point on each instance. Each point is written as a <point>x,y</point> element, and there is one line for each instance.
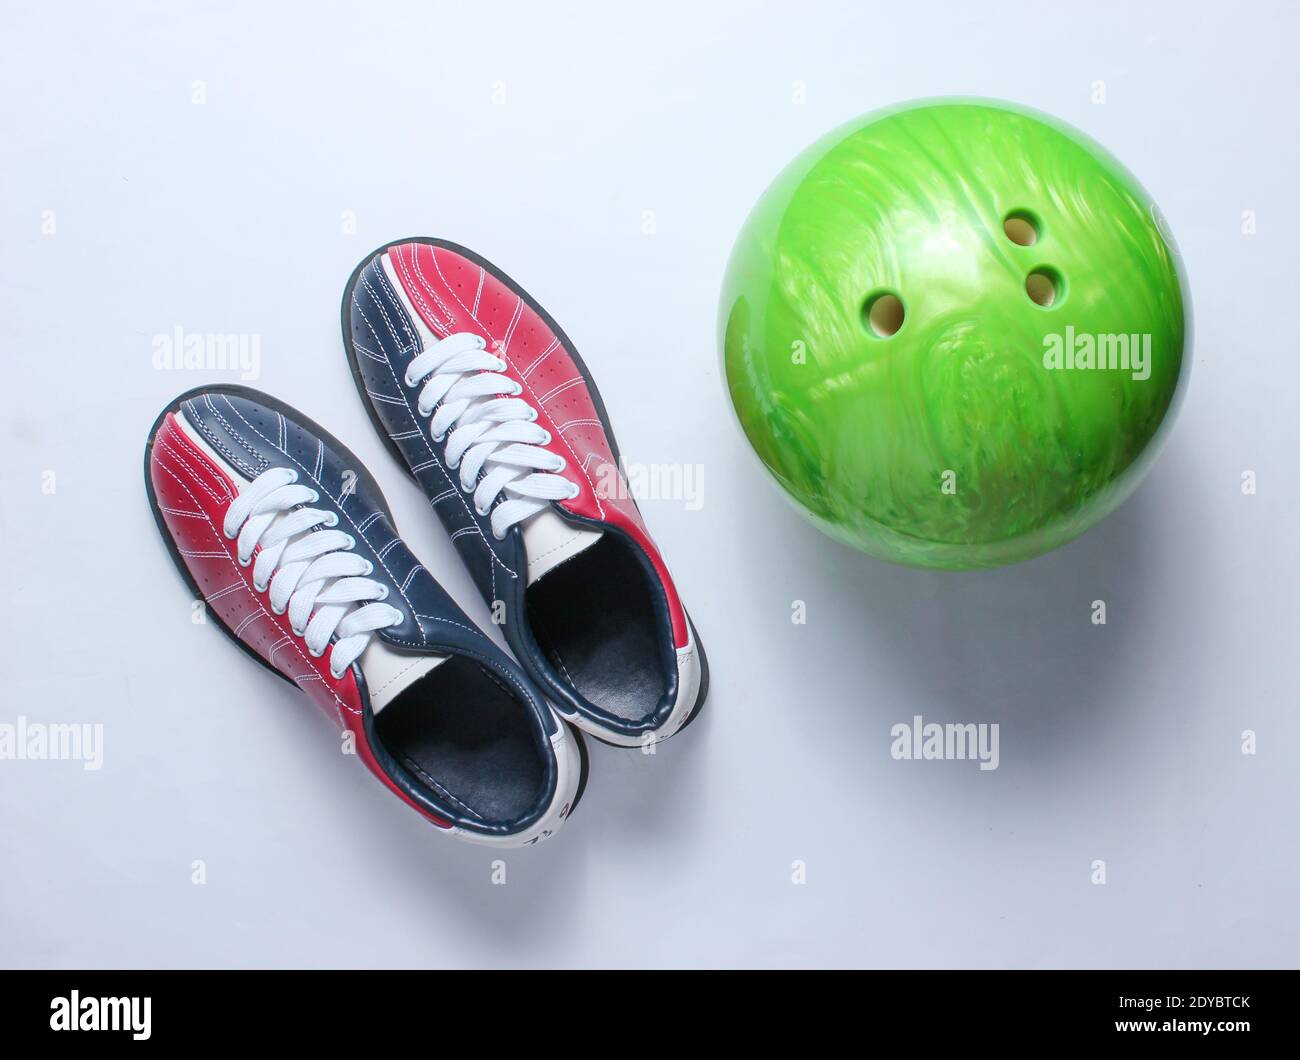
<point>1021,227</point>
<point>1045,287</point>
<point>883,314</point>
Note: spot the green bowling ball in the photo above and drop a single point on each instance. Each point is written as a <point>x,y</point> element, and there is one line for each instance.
<point>954,333</point>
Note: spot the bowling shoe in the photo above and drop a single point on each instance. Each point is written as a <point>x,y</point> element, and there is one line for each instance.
<point>287,539</point>
<point>485,401</point>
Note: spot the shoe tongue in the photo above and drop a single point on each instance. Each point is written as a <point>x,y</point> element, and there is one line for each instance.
<point>550,541</point>
<point>389,673</point>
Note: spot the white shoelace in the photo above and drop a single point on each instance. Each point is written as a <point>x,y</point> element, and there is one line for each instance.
<point>462,381</point>
<point>308,569</point>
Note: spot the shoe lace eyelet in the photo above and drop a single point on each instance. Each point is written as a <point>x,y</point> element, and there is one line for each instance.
<point>384,594</point>
<point>332,519</point>
<point>370,569</point>
<point>575,491</point>
<point>563,463</point>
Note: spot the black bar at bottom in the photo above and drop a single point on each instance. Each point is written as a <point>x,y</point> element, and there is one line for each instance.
<point>378,1008</point>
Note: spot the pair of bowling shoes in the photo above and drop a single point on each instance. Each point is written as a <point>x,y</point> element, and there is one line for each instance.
<point>287,538</point>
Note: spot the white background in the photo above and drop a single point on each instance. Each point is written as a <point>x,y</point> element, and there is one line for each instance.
<point>549,137</point>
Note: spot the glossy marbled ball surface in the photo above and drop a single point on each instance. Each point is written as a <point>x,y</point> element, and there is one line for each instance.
<point>963,438</point>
